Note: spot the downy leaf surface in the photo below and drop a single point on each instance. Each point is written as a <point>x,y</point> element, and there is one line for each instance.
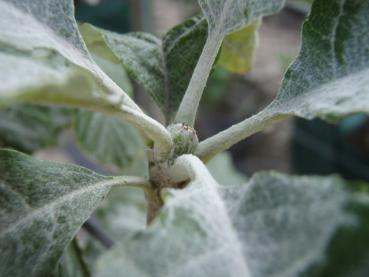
<point>44,60</point>
<point>105,139</point>
<point>43,204</point>
<point>223,17</point>
<point>330,77</point>
<point>274,225</point>
<point>227,16</point>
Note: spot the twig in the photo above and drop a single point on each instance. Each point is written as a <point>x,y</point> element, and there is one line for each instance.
<point>208,148</point>
<point>92,227</point>
<point>191,100</point>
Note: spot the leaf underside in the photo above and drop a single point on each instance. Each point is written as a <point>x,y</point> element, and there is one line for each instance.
<point>43,59</point>
<point>227,16</point>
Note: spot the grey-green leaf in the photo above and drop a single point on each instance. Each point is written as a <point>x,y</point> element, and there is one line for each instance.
<point>193,235</point>
<point>274,225</point>
<point>308,226</point>
<point>223,17</point>
<point>140,54</point>
<point>44,60</point>
<point>106,60</point>
<point>110,141</point>
<point>42,206</point>
<point>182,47</point>
<point>163,67</point>
<point>227,16</point>
<point>29,128</point>
<point>330,77</point>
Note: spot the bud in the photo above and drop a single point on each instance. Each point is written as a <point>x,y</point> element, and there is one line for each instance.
<point>184,138</point>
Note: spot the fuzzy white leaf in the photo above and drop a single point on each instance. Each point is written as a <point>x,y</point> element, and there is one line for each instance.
<point>274,225</point>
<point>44,59</point>
<point>43,204</point>
<point>329,79</point>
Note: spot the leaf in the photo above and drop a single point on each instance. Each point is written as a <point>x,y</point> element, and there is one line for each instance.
<point>138,52</point>
<point>329,78</point>
<point>227,16</point>
<point>42,206</point>
<point>223,17</point>
<point>104,57</point>
<point>224,171</point>
<point>308,226</point>
<point>181,236</point>
<point>238,49</point>
<point>29,128</point>
<point>116,72</point>
<point>274,225</point>
<point>163,67</point>
<point>182,47</point>
<point>106,139</point>
<point>110,141</point>
<point>40,42</point>
<point>72,263</point>
<point>123,212</point>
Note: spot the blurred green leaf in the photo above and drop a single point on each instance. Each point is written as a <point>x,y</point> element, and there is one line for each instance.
<point>222,169</point>
<point>29,128</point>
<point>238,49</point>
<point>111,142</point>
<point>72,263</point>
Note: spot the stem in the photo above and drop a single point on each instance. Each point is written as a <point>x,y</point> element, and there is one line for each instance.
<point>150,128</point>
<point>187,110</point>
<point>79,255</point>
<point>210,147</point>
<point>154,204</point>
<point>125,108</point>
<point>92,227</point>
<point>120,105</point>
<point>131,181</point>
